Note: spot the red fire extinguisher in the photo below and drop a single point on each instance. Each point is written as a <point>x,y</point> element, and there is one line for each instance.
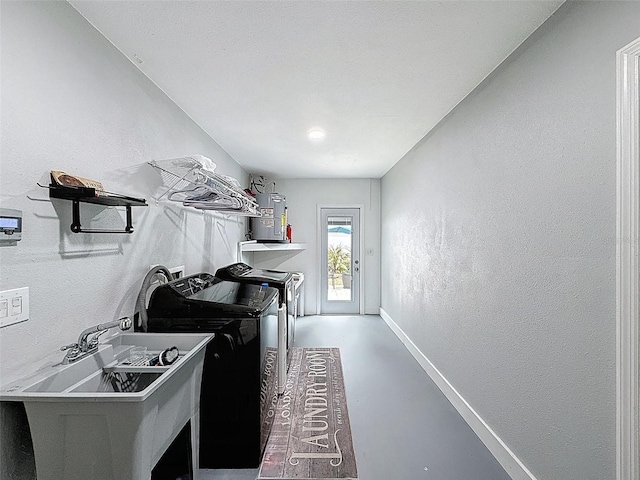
<point>289,233</point>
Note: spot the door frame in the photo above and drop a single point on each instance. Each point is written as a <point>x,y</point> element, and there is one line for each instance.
<point>627,264</point>
<point>319,208</point>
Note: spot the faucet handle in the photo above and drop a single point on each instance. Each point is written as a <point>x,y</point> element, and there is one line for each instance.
<point>72,355</point>
<point>93,343</point>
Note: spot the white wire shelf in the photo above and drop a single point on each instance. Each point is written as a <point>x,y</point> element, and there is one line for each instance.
<point>189,183</point>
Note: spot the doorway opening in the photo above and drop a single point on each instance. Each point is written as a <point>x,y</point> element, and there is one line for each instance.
<point>340,278</point>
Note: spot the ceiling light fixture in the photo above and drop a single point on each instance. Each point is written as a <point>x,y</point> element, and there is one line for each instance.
<point>316,134</point>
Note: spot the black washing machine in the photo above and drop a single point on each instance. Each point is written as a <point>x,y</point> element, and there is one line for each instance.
<point>240,375</point>
<point>284,282</point>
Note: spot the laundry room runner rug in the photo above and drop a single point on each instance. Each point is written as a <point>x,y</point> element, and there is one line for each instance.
<point>311,436</point>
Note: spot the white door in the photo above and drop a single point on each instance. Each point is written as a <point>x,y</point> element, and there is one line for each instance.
<point>340,260</point>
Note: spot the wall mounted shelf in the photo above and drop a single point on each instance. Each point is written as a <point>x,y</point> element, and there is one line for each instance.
<point>79,195</point>
<point>188,182</point>
<point>272,247</point>
<point>252,246</point>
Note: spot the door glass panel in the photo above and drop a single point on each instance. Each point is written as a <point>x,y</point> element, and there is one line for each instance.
<point>339,274</point>
<point>339,261</point>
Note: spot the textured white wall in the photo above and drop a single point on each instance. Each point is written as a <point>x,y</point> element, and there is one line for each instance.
<point>498,234</point>
<point>303,198</point>
<point>71,101</point>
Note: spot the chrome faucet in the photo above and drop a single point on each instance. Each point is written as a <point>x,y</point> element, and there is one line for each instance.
<point>84,346</point>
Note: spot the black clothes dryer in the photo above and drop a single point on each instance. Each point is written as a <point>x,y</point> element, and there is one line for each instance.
<point>239,378</point>
<point>284,282</point>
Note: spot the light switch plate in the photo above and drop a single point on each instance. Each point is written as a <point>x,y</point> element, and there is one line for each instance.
<point>14,306</point>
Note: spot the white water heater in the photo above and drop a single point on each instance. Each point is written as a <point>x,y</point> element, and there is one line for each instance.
<point>272,226</point>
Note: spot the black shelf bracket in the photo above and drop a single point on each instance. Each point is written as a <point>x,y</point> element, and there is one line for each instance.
<point>79,195</point>
<point>76,227</point>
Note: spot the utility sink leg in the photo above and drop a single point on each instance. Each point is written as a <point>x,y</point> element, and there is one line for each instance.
<point>195,444</point>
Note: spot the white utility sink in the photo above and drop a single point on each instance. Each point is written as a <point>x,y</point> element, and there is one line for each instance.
<point>97,418</point>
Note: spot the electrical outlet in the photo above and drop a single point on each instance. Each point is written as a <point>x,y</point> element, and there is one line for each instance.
<point>177,272</point>
<point>14,306</point>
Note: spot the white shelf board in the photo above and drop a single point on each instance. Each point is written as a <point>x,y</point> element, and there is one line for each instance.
<point>271,247</point>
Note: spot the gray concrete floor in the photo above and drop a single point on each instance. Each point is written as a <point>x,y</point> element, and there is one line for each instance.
<point>403,427</point>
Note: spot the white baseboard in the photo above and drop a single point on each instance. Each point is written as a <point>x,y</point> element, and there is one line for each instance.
<point>513,466</point>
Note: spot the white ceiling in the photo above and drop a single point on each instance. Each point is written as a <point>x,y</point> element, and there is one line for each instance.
<point>375,75</point>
